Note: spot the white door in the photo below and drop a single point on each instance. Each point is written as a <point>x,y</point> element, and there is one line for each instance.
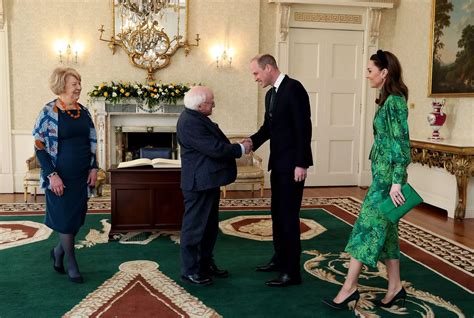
<point>329,65</point>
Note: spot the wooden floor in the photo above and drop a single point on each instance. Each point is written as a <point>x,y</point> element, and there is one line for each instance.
<point>426,216</point>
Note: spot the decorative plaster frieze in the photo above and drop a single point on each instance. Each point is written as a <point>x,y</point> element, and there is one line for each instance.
<point>284,20</point>
<point>328,17</point>
<point>388,4</point>
<point>375,16</point>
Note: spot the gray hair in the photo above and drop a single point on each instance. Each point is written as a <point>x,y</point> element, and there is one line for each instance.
<point>57,81</point>
<point>194,97</point>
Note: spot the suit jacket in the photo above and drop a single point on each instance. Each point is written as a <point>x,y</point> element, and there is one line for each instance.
<point>207,156</point>
<point>289,130</point>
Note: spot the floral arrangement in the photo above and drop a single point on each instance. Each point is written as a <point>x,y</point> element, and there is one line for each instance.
<point>150,94</point>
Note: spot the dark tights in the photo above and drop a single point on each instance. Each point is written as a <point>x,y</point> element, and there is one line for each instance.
<point>65,247</point>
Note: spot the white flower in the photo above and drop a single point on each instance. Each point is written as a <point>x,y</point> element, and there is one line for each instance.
<point>114,94</point>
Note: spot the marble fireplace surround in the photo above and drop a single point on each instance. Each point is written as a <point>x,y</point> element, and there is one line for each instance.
<point>111,122</point>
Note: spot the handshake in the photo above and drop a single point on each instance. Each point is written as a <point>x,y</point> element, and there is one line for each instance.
<point>248,145</point>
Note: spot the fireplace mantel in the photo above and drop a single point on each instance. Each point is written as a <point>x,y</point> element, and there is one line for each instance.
<point>128,116</point>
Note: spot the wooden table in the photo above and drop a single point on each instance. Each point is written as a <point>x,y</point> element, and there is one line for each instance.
<point>146,199</point>
<point>456,156</point>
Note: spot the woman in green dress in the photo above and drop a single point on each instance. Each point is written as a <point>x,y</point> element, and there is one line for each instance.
<point>374,237</point>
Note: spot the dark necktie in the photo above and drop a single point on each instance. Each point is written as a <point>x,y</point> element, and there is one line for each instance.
<point>272,101</point>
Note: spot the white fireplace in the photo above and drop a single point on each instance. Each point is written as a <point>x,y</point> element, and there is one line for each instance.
<point>114,121</point>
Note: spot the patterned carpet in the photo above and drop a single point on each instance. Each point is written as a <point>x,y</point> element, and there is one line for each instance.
<point>138,282</point>
<point>450,259</point>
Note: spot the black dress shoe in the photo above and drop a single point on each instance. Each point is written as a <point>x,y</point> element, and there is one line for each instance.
<point>283,280</point>
<point>196,279</point>
<point>270,267</point>
<point>401,295</point>
<point>60,269</point>
<point>355,296</point>
<point>213,270</point>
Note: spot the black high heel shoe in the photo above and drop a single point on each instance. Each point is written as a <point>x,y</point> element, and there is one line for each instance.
<point>355,296</point>
<point>60,269</point>
<point>78,280</point>
<point>402,294</point>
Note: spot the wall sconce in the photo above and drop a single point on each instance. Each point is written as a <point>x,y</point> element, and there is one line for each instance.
<point>223,56</point>
<point>67,53</point>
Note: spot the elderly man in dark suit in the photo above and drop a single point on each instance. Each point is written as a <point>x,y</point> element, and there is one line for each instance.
<point>287,123</point>
<point>208,162</point>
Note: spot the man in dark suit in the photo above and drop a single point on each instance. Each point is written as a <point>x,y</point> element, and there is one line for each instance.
<point>287,124</point>
<point>207,162</point>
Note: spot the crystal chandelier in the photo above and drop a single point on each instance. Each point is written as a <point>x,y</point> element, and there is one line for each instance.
<point>150,31</point>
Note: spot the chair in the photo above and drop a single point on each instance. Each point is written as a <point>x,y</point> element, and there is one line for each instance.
<point>249,169</point>
<point>32,176</point>
<point>152,153</point>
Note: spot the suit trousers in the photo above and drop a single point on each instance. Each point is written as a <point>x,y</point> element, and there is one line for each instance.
<point>285,208</point>
<point>199,229</point>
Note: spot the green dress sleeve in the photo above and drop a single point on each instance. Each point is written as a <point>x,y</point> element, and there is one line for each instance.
<point>397,115</point>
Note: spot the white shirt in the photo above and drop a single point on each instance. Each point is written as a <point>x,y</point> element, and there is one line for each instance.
<point>278,81</point>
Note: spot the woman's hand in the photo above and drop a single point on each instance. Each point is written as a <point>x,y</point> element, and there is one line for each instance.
<point>92,178</point>
<point>57,185</point>
<point>396,195</point>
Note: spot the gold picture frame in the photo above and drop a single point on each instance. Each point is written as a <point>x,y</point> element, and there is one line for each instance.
<point>451,64</point>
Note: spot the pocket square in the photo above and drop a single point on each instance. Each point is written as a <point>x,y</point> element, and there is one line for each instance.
<point>395,213</point>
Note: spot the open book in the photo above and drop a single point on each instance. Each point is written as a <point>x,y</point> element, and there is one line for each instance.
<point>155,163</point>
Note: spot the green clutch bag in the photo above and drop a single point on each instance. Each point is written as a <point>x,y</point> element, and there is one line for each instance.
<point>395,213</point>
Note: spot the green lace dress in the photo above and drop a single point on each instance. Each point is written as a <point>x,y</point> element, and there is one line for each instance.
<point>374,237</point>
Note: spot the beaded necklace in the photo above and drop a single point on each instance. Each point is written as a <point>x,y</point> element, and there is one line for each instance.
<point>76,106</point>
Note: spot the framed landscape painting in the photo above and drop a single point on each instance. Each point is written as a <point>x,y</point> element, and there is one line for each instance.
<point>452,48</point>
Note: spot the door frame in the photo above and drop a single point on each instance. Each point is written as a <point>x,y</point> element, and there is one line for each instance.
<point>332,15</point>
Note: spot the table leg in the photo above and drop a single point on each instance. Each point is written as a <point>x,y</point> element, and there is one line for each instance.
<point>462,182</point>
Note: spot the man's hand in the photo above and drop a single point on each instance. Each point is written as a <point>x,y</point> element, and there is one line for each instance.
<point>57,185</point>
<point>248,145</point>
<point>300,174</point>
<point>92,178</point>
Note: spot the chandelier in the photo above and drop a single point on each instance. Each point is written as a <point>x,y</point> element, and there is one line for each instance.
<point>150,31</point>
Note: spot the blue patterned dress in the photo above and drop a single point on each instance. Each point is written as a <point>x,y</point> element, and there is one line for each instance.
<point>374,237</point>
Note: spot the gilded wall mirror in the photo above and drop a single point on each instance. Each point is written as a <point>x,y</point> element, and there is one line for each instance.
<point>150,31</point>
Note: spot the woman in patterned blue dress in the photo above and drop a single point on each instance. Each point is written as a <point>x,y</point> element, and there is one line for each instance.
<point>374,237</point>
<point>65,144</point>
